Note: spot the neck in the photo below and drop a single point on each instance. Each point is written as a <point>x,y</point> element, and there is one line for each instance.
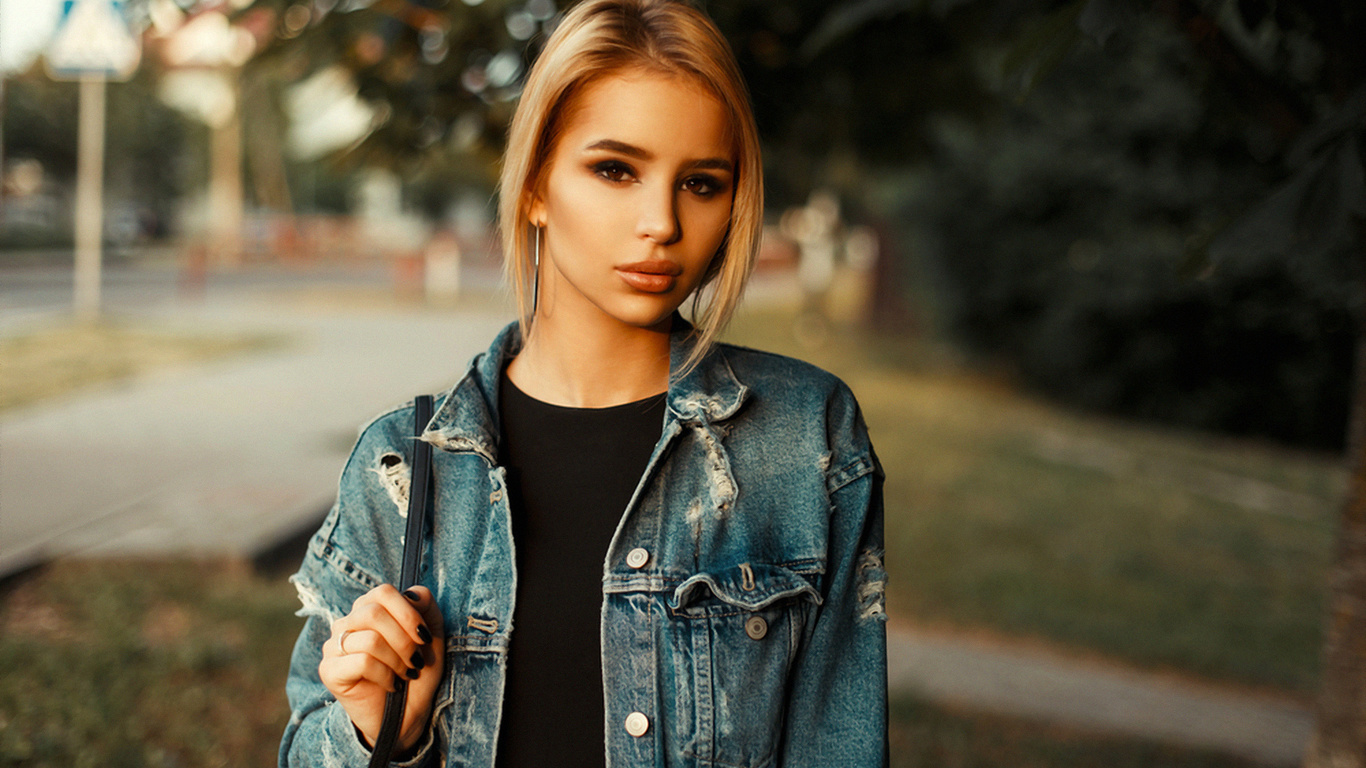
<point>592,365</point>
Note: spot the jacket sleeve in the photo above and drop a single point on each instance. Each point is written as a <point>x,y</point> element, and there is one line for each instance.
<point>837,703</point>
<point>320,733</point>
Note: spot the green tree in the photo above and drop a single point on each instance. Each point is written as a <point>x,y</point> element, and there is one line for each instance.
<point>1301,68</point>
<point>1296,72</point>
<point>443,77</point>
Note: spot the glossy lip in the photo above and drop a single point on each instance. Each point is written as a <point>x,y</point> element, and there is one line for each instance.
<point>653,267</point>
<point>651,276</point>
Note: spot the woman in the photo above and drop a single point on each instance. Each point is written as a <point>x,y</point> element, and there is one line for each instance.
<point>647,548</point>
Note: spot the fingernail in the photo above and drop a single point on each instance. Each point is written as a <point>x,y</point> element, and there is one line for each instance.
<point>416,660</point>
<point>411,595</point>
<point>423,633</point>
<point>412,674</point>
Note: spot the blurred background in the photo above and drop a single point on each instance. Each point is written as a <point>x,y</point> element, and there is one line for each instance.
<point>1092,267</point>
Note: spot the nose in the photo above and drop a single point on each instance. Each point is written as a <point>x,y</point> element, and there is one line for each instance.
<point>658,219</point>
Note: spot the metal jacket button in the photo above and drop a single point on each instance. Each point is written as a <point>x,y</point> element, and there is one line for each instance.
<point>637,558</point>
<point>756,627</point>
<point>637,724</point>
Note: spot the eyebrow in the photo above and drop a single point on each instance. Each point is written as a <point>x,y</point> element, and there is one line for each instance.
<point>631,150</point>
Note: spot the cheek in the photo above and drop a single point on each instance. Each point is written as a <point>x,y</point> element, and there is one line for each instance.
<point>580,211</point>
<point>710,222</point>
<point>565,201</point>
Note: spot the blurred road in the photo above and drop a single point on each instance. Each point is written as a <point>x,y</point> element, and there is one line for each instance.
<point>42,286</point>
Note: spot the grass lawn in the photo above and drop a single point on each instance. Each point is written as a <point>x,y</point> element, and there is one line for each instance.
<point>144,663</point>
<point>923,735</point>
<point>1168,548</point>
<point>55,361</point>
<point>182,663</point>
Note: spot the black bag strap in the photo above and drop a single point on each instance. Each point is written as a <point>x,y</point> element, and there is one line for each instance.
<point>418,494</point>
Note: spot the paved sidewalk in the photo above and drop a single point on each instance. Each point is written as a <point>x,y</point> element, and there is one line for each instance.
<point>228,457</point>
<point>1096,696</point>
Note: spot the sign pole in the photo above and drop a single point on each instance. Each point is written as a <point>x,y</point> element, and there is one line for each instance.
<point>89,198</point>
<point>91,44</point>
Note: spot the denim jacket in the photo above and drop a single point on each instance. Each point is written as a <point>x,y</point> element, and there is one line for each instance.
<point>743,590</point>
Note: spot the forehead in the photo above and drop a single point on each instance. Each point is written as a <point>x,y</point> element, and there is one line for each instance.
<point>666,114</point>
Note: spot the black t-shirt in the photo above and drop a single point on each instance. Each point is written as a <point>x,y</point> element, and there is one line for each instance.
<point>571,473</point>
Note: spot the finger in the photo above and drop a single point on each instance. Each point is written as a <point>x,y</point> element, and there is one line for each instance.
<point>343,674</point>
<point>385,638</point>
<point>423,600</point>
<point>371,642</point>
<point>401,609</point>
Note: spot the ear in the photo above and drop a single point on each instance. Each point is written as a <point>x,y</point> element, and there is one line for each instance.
<point>535,210</point>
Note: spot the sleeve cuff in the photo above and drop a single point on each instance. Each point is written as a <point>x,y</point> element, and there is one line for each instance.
<point>344,744</point>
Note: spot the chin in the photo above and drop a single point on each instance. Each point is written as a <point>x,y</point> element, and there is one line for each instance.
<point>645,312</point>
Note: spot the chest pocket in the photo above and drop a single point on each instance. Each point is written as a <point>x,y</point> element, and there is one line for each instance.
<point>735,633</point>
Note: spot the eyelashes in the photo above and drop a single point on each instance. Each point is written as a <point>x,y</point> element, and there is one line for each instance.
<point>703,185</point>
<point>614,170</point>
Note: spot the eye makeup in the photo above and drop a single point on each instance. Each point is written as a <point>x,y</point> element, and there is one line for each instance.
<point>703,185</point>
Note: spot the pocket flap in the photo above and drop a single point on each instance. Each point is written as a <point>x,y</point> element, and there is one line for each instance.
<point>747,586</point>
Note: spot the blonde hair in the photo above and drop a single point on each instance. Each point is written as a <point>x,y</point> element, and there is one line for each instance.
<point>597,38</point>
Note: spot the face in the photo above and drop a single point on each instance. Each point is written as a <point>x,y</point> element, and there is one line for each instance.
<point>635,201</point>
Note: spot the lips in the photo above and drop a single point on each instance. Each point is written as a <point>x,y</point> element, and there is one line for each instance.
<point>651,276</point>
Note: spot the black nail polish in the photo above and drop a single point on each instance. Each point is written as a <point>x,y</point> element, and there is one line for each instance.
<point>411,595</point>
<point>412,674</point>
<point>423,633</point>
<point>416,660</point>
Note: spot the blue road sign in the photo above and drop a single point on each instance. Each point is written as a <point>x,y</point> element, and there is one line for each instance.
<point>93,38</point>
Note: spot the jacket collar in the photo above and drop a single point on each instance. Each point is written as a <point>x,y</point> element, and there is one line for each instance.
<point>467,419</point>
<point>709,392</point>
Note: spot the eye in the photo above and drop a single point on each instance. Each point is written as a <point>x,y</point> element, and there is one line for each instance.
<point>613,170</point>
<point>703,185</point>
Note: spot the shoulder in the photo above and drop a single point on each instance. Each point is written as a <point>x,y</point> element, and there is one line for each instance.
<point>793,385</point>
<point>771,372</point>
<point>396,424</point>
<point>384,450</point>
<point>804,403</point>
<point>387,423</point>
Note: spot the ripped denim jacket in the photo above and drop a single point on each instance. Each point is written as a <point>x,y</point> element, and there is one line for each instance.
<point>750,632</point>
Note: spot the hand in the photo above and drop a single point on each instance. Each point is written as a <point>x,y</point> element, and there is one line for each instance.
<point>387,633</point>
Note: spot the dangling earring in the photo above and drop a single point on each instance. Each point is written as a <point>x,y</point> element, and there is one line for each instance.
<point>536,273</point>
